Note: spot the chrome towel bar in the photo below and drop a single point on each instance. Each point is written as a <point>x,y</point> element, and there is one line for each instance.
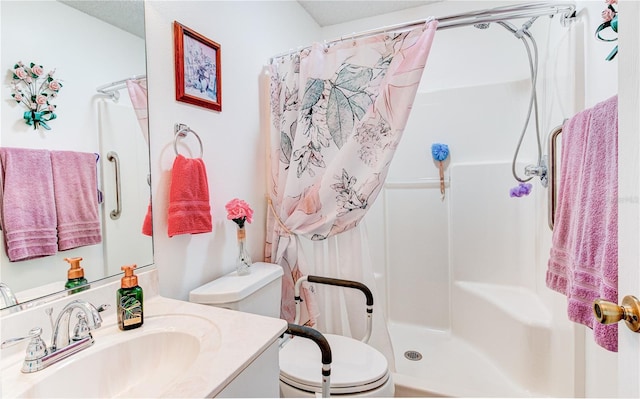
<point>552,174</point>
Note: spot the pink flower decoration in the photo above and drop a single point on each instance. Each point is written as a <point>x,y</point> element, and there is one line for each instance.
<point>239,211</point>
<point>21,73</point>
<point>610,2</point>
<point>607,15</point>
<point>54,85</point>
<point>37,70</point>
<point>34,88</point>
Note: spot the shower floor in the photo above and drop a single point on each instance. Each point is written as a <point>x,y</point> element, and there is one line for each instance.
<point>449,367</point>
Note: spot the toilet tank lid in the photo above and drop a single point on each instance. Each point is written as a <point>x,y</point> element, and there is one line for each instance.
<point>232,288</point>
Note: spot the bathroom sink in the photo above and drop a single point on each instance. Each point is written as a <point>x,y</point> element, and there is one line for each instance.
<point>162,358</point>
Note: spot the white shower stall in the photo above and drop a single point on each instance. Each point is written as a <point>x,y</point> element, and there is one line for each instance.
<point>462,277</point>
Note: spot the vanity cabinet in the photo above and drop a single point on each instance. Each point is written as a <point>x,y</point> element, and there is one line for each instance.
<point>259,380</point>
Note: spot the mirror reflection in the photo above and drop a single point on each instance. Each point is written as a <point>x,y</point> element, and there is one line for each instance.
<point>100,108</point>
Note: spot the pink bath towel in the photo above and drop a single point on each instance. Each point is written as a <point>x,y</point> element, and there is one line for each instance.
<point>189,208</point>
<point>75,190</point>
<point>28,207</point>
<point>583,263</point>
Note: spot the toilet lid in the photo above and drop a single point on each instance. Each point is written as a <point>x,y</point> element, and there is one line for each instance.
<point>354,364</point>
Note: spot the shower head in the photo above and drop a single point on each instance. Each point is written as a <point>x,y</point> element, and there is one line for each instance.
<point>484,25</point>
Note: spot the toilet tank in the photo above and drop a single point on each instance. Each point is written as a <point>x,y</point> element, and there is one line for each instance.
<point>258,292</point>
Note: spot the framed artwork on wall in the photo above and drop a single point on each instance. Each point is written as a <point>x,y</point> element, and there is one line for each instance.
<point>197,68</point>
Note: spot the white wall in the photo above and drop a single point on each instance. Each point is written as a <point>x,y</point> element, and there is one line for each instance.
<point>86,53</point>
<point>248,33</point>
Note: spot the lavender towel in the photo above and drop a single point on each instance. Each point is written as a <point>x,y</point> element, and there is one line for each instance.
<point>75,192</point>
<point>583,263</point>
<point>28,207</point>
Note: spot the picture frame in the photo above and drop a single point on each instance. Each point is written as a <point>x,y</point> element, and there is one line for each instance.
<point>197,68</point>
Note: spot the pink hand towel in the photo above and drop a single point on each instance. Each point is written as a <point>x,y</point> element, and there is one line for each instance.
<point>75,190</point>
<point>583,263</point>
<point>189,209</point>
<point>28,207</point>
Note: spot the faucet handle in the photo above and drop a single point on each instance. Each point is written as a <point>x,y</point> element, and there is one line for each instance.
<point>34,333</point>
<point>81,330</point>
<point>37,349</point>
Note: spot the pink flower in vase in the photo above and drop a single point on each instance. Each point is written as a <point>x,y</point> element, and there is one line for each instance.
<point>239,211</point>
<point>18,97</point>
<point>611,2</point>
<point>41,100</point>
<point>51,107</point>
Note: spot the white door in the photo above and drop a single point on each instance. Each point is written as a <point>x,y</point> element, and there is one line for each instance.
<point>628,191</point>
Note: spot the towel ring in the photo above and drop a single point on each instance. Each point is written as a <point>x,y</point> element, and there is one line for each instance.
<point>180,131</point>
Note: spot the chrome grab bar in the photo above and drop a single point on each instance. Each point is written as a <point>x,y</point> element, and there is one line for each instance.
<point>112,156</point>
<point>552,175</point>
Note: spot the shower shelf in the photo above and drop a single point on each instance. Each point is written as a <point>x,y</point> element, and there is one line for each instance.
<point>427,182</point>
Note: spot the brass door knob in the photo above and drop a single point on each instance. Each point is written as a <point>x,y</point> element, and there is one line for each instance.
<point>609,313</point>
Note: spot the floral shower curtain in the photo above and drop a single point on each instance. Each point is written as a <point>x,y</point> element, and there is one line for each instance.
<point>337,115</point>
<point>137,90</point>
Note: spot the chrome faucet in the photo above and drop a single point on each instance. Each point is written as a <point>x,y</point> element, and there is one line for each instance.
<point>38,356</point>
<point>8,295</point>
<point>90,320</point>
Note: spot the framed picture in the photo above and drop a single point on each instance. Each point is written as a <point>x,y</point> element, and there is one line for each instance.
<point>198,68</point>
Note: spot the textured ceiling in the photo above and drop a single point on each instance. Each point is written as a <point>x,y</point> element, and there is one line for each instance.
<point>331,12</point>
<point>127,15</point>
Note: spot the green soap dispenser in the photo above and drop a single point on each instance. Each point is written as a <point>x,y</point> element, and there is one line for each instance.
<point>129,301</point>
<point>75,277</point>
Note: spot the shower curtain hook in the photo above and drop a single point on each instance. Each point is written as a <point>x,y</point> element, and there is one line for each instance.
<point>326,47</point>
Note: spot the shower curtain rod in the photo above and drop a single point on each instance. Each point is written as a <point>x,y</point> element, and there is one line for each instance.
<point>486,16</point>
<point>109,88</point>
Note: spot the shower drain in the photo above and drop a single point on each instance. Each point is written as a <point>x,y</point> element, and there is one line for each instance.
<point>413,355</point>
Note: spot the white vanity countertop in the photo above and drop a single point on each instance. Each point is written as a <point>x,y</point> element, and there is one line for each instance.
<point>228,342</point>
<point>243,337</point>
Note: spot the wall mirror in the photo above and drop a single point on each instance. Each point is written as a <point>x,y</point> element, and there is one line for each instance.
<point>91,45</point>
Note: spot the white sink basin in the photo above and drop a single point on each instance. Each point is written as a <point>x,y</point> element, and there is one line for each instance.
<point>159,359</point>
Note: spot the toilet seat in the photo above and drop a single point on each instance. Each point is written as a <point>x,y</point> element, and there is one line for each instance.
<point>356,367</point>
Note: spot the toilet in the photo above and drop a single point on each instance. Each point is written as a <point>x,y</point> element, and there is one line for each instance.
<point>357,369</point>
